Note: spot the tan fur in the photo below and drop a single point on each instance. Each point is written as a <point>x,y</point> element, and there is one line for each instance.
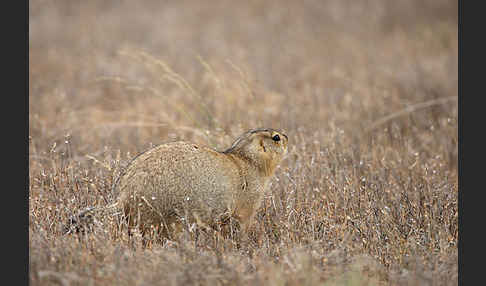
<point>183,181</point>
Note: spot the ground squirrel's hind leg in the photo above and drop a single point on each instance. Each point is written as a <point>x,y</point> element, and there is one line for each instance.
<point>80,223</point>
<point>83,222</point>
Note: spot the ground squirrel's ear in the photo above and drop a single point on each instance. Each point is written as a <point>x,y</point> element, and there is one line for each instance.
<point>262,145</point>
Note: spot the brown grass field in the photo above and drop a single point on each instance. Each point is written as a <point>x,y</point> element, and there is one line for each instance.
<point>366,91</point>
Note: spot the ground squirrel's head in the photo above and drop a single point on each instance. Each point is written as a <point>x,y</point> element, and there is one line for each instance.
<point>265,147</point>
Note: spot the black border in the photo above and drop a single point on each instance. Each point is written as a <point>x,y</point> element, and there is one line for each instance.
<point>18,68</point>
<point>15,93</point>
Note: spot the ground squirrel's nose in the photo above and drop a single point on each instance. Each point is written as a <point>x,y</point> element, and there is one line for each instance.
<point>286,146</point>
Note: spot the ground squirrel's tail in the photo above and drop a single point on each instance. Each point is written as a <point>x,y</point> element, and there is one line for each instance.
<point>84,220</point>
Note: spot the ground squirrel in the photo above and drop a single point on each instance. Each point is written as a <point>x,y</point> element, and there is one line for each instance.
<point>183,181</point>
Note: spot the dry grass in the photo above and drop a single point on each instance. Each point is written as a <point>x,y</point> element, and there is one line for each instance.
<point>366,91</point>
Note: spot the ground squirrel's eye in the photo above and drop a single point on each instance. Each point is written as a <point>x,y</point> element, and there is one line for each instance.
<point>276,138</point>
